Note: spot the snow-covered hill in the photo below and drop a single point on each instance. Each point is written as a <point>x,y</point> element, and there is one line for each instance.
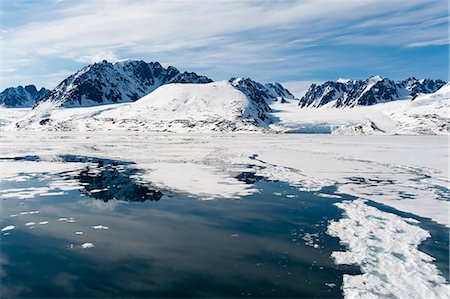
<point>217,106</point>
<point>107,83</point>
<point>374,90</point>
<point>22,96</point>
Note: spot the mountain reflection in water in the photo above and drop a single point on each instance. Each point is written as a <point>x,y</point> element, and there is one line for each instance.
<point>107,180</point>
<point>104,179</point>
<point>114,182</point>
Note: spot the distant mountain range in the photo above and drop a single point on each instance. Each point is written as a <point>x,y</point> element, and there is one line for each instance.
<point>128,81</point>
<point>22,96</point>
<point>374,90</point>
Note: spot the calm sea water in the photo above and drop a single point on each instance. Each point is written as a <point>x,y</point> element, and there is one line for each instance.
<point>163,244</point>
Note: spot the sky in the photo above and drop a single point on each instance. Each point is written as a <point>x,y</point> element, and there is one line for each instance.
<point>293,42</point>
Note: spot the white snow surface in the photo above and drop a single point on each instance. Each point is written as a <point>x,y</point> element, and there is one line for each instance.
<point>385,245</point>
<point>216,106</point>
<point>427,114</point>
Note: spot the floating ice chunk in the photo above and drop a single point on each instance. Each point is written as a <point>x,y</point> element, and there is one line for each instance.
<point>43,222</point>
<point>235,236</point>
<point>69,220</point>
<point>99,190</point>
<point>6,234</point>
<point>78,233</point>
<point>100,227</point>
<point>87,245</point>
<point>13,215</point>
<point>328,195</point>
<point>7,228</point>
<point>29,213</point>
<point>385,246</point>
<point>51,194</point>
<point>330,285</point>
<point>309,239</point>
<point>30,223</point>
<point>291,196</point>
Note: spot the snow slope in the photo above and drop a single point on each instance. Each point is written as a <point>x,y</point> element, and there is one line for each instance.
<point>172,107</point>
<point>426,114</point>
<point>243,105</point>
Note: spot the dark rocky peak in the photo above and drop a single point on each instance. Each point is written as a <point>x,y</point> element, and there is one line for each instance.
<point>373,90</point>
<point>22,96</point>
<point>125,81</point>
<point>278,91</point>
<point>255,91</point>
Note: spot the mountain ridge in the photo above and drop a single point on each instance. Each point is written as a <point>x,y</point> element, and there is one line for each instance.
<point>126,81</point>
<point>21,96</point>
<point>374,90</point>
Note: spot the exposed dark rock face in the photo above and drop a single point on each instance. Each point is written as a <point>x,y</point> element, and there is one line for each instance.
<point>261,94</point>
<point>106,83</point>
<point>22,96</point>
<point>366,92</point>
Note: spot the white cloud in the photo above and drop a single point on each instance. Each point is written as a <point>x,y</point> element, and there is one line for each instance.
<point>227,35</point>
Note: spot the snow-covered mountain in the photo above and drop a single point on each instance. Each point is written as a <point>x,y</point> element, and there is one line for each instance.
<point>173,107</point>
<point>22,96</point>
<point>126,81</point>
<point>269,92</point>
<point>426,114</point>
<point>352,93</point>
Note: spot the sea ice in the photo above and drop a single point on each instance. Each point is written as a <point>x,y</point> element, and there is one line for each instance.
<point>385,246</point>
<point>100,227</point>
<point>7,228</point>
<point>87,245</point>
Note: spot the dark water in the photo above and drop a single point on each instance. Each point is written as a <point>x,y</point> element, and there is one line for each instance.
<point>162,244</point>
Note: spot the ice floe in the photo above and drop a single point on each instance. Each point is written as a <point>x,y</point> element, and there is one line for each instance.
<point>311,239</point>
<point>29,212</point>
<point>7,228</point>
<point>328,195</point>
<point>385,246</point>
<point>102,227</point>
<point>65,219</point>
<point>87,245</point>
